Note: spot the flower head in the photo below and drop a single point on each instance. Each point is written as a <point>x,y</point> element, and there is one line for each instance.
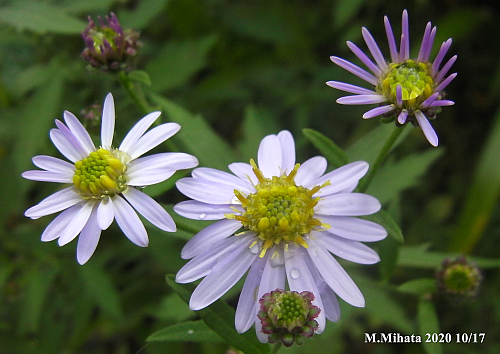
<point>410,89</point>
<point>290,218</point>
<point>105,181</point>
<point>288,316</point>
<point>109,47</point>
<point>459,277</point>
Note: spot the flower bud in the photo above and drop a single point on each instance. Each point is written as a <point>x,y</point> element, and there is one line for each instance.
<point>288,316</point>
<point>108,46</point>
<point>459,277</point>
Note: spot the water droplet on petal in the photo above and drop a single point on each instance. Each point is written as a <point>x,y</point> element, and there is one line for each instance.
<point>255,248</point>
<point>203,216</point>
<point>294,273</point>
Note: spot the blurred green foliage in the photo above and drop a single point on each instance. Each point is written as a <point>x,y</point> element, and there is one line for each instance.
<point>231,72</point>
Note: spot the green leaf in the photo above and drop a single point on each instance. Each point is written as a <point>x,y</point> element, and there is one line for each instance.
<point>428,323</point>
<point>393,178</point>
<point>192,331</point>
<point>142,13</point>
<point>385,219</point>
<point>178,61</point>
<point>257,123</point>
<point>382,305</point>
<point>419,287</point>
<point>345,10</point>
<point>99,285</point>
<point>333,153</point>
<point>420,257</point>
<point>368,147</point>
<point>197,137</point>
<point>38,287</point>
<point>140,76</point>
<point>220,317</point>
<point>40,18</point>
<point>482,196</point>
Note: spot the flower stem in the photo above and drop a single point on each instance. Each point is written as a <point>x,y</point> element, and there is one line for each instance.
<point>365,182</point>
<point>135,93</point>
<point>276,347</point>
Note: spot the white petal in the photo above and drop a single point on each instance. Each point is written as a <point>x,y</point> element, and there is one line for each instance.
<point>77,224</point>
<point>330,303</point>
<point>193,209</point>
<point>310,171</point>
<point>150,209</point>
<point>79,132</point>
<point>53,164</point>
<point>273,278</point>
<point>170,160</point>
<point>270,156</point>
<point>342,177</point>
<point>206,191</point>
<point>89,238</point>
<point>353,251</point>
<point>105,213</point>
<point>72,139</point>
<point>54,229</point>
<point>427,128</point>
<point>209,236</point>
<point>202,264</point>
<point>244,171</point>
<point>354,229</point>
<point>64,146</point>
<point>53,203</point>
<point>300,279</point>
<point>148,177</point>
<point>334,275</point>
<point>49,176</point>
<point>348,204</point>
<point>138,130</point>
<point>152,139</point>
<point>223,276</point>
<point>211,174</point>
<point>130,223</point>
<point>287,151</point>
<point>246,311</point>
<point>108,122</point>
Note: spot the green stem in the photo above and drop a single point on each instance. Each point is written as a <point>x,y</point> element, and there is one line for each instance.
<point>365,182</point>
<point>135,93</point>
<point>276,347</point>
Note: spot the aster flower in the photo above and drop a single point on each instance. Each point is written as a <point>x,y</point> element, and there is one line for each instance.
<point>108,46</point>
<point>105,180</point>
<point>291,217</point>
<point>409,89</point>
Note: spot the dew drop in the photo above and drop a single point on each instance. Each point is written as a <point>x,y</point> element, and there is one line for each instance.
<point>190,331</point>
<point>294,273</point>
<point>203,216</point>
<point>254,249</point>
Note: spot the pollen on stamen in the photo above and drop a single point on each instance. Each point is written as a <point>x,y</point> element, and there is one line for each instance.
<point>279,211</point>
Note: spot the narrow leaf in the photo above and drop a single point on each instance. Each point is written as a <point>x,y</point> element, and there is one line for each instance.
<point>418,287</point>
<point>428,323</point>
<point>334,154</point>
<point>197,137</point>
<point>220,317</point>
<point>140,76</point>
<point>192,331</point>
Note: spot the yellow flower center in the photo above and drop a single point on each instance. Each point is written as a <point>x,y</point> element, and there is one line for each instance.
<point>279,210</point>
<point>100,175</point>
<point>415,80</point>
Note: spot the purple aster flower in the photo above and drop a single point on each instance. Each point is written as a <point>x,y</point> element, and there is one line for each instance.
<point>409,89</point>
<point>105,181</point>
<point>290,217</point>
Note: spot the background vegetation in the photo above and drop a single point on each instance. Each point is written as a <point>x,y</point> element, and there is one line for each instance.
<point>231,72</point>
